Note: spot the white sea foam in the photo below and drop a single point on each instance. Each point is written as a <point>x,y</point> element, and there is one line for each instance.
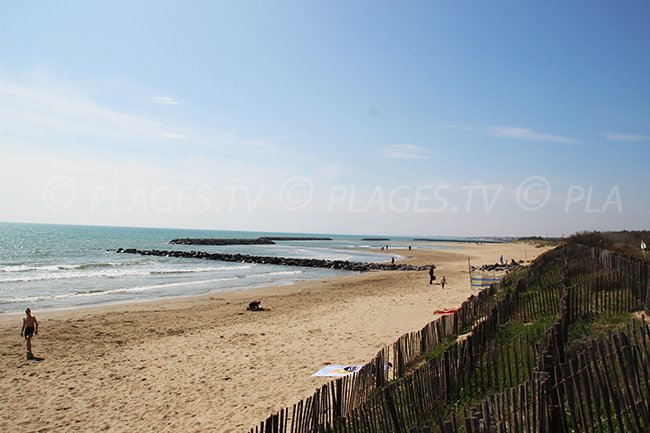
<point>120,291</point>
<point>21,268</point>
<point>200,269</point>
<point>268,274</point>
<point>146,288</point>
<point>113,273</point>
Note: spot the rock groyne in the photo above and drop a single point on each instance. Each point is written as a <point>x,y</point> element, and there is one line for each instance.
<point>215,241</point>
<point>265,240</point>
<point>284,261</point>
<point>295,238</point>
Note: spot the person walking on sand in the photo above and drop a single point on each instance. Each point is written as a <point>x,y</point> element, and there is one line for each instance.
<point>29,329</point>
<point>443,281</point>
<point>432,276</point>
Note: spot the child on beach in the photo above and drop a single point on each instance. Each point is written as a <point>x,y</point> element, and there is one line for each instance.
<point>443,281</point>
<point>29,329</point>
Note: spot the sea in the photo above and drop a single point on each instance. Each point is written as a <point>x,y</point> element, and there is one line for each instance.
<point>45,266</point>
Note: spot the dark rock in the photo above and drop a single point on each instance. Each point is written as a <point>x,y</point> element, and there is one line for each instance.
<point>214,241</point>
<point>245,258</point>
<point>295,238</point>
<point>265,240</point>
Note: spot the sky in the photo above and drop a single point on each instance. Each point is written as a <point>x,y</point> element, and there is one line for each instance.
<point>428,118</point>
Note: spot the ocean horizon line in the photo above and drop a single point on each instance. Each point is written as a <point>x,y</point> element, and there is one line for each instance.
<point>255,233</point>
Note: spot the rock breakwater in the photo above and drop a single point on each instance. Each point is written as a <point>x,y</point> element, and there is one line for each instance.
<point>284,261</point>
<point>295,238</point>
<point>265,240</point>
<point>214,241</point>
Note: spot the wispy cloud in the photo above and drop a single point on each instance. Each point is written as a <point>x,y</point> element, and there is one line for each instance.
<point>66,118</point>
<point>629,138</point>
<point>174,136</point>
<point>164,100</point>
<point>60,116</point>
<point>405,151</point>
<point>526,134</point>
<point>454,127</point>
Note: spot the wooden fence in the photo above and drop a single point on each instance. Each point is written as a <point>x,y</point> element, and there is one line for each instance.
<point>604,389</point>
<point>529,382</point>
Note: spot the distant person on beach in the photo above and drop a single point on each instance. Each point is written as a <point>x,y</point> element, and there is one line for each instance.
<point>501,258</point>
<point>432,276</point>
<point>409,248</point>
<point>392,260</point>
<point>254,306</point>
<point>29,329</point>
<point>443,281</point>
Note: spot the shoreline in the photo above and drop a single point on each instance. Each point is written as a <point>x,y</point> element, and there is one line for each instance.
<point>399,259</point>
<point>205,363</point>
<point>159,302</point>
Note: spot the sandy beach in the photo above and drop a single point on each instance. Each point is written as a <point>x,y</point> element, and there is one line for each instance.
<point>205,363</point>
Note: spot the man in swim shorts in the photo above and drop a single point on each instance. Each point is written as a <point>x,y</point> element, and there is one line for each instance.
<point>29,329</point>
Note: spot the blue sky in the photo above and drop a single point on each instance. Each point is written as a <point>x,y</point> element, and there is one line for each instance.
<point>413,118</point>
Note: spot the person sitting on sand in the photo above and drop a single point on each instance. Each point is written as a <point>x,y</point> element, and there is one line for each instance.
<point>29,329</point>
<point>254,306</point>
